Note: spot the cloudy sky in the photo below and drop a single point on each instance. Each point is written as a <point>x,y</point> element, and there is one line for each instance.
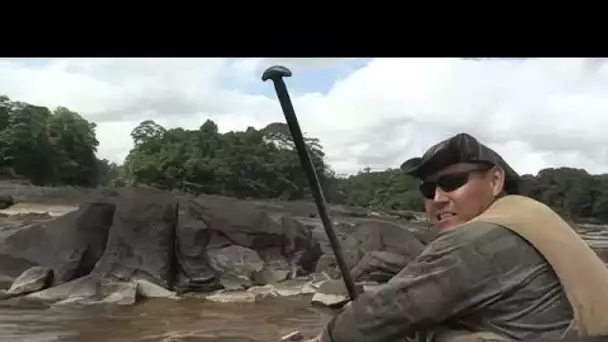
<point>367,112</point>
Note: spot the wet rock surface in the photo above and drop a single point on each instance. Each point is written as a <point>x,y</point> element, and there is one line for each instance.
<point>70,245</point>
<point>33,279</point>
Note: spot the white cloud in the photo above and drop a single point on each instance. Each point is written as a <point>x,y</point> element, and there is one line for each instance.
<point>537,113</point>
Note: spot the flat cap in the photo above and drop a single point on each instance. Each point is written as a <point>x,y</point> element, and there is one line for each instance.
<point>461,148</point>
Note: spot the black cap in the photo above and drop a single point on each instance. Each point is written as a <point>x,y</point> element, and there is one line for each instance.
<point>461,148</point>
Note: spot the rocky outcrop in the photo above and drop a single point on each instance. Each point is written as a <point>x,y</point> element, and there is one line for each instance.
<point>143,242</point>
<point>70,245</point>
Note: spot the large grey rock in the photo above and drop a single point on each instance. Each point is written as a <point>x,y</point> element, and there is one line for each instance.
<point>70,245</point>
<point>362,241</point>
<point>194,271</point>
<point>349,243</point>
<point>167,244</point>
<point>34,279</point>
<point>140,246</point>
<point>147,289</point>
<point>84,287</point>
<point>121,293</point>
<point>333,294</point>
<point>237,265</point>
<point>142,238</point>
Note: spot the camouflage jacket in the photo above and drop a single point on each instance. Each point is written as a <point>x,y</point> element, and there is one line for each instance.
<point>478,277</point>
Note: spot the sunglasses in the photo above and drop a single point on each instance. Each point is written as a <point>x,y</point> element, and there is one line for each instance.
<point>448,182</point>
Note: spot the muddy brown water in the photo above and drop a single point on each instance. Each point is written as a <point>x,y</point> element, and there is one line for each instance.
<point>165,320</point>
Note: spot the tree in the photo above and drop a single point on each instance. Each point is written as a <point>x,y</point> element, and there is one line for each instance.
<point>251,163</point>
<point>59,147</point>
<point>48,148</point>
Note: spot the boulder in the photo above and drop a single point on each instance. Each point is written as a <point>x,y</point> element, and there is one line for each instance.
<point>349,243</point>
<point>6,201</point>
<point>141,240</point>
<point>284,246</point>
<point>70,245</point>
<point>144,242</point>
<point>33,279</point>
<point>361,242</point>
<point>378,235</point>
<point>333,294</point>
<point>236,262</point>
<point>194,271</point>
<point>93,290</point>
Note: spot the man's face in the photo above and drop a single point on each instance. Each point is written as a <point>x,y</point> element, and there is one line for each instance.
<point>462,192</point>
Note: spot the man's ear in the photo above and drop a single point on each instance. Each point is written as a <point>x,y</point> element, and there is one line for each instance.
<point>497,177</point>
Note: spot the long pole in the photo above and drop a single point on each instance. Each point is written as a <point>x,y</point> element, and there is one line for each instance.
<point>276,75</point>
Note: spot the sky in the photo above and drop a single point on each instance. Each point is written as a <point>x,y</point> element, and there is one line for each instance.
<point>374,113</point>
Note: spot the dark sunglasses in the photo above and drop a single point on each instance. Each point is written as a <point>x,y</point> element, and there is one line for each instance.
<point>448,182</point>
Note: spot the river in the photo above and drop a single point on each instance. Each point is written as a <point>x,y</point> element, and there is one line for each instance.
<point>165,320</point>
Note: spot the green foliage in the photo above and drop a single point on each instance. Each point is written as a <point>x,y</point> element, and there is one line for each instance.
<point>390,189</point>
<point>48,148</point>
<point>58,147</point>
<point>246,164</point>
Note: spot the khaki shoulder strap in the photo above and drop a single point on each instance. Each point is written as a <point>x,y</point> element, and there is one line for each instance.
<point>582,273</point>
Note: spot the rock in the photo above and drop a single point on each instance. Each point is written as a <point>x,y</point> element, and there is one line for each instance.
<point>74,301</point>
<point>236,260</point>
<point>70,245</point>
<point>288,241</point>
<point>34,279</point>
<point>249,296</point>
<point>295,287</point>
<point>233,297</point>
<point>233,282</point>
<point>142,238</point>
<point>369,236</point>
<point>194,271</point>
<point>6,201</point>
<point>349,243</point>
<point>122,293</point>
<point>377,235</point>
<point>263,291</point>
<point>92,290</point>
<point>149,243</point>
<point>293,336</point>
<point>84,287</point>
<point>241,222</point>
<point>269,276</point>
<point>139,247</point>
<point>150,290</point>
<point>333,294</point>
<point>301,249</point>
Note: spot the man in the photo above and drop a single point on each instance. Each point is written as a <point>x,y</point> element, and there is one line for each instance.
<point>490,273</point>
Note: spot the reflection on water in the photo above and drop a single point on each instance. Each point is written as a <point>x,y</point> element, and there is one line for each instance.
<point>188,320</point>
